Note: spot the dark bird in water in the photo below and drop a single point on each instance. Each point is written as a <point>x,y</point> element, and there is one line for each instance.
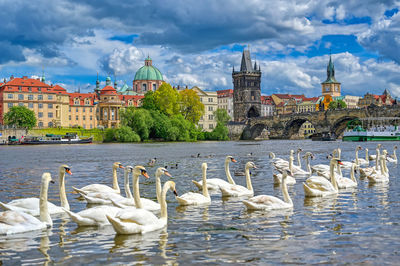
<point>174,167</point>
<point>152,162</point>
<point>196,156</point>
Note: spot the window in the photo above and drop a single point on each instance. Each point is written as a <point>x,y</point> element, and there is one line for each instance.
<point>154,86</point>
<point>50,97</point>
<point>76,102</point>
<point>20,96</point>
<point>210,108</point>
<point>253,96</point>
<point>50,114</point>
<point>69,117</point>
<point>84,126</point>
<point>69,109</point>
<point>50,124</point>
<point>30,105</point>
<point>29,89</point>
<point>30,97</point>
<point>210,117</point>
<point>90,109</point>
<point>200,125</point>
<point>40,114</point>
<point>144,86</point>
<point>40,124</point>
<point>211,126</point>
<point>10,105</point>
<point>40,105</point>
<point>20,104</point>
<point>84,117</point>
<point>50,106</point>
<point>91,117</point>
<point>77,110</point>
<point>87,102</point>
<point>76,117</point>
<point>83,109</point>
<point>39,89</point>
<point>210,100</point>
<point>10,96</point>
<point>40,97</point>
<point>91,126</point>
<point>19,88</point>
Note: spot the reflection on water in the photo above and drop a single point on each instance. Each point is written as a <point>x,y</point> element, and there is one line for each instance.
<point>356,226</point>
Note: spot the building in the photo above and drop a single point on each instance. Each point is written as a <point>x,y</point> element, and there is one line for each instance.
<point>225,101</point>
<point>286,103</point>
<point>351,101</point>
<point>307,105</point>
<point>147,78</point>
<point>246,89</point>
<point>331,86</point>
<point>81,110</point>
<point>210,100</point>
<point>379,100</point>
<point>267,106</point>
<point>307,129</point>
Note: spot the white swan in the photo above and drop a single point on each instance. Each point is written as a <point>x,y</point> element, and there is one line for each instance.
<point>344,182</point>
<point>318,186</point>
<point>273,159</point>
<point>215,183</point>
<point>266,202</point>
<point>299,150</point>
<point>31,205</point>
<point>191,198</point>
<point>382,175</point>
<point>13,222</point>
<point>139,202</point>
<point>393,158</point>
<point>367,171</point>
<point>96,216</point>
<point>139,221</point>
<point>107,198</point>
<point>103,188</point>
<point>324,167</point>
<point>237,190</point>
<point>373,157</point>
<point>361,161</point>
<point>290,180</point>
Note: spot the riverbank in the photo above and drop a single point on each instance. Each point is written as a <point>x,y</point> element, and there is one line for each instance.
<point>97,134</point>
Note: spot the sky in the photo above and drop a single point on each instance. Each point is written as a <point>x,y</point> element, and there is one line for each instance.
<point>198,42</point>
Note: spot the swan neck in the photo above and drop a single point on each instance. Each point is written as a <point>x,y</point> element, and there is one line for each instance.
<point>115,180</point>
<point>332,175</point>
<point>291,163</point>
<point>366,155</point>
<point>163,201</point>
<point>357,162</point>
<point>248,179</point>
<point>298,159</point>
<point>228,173</point>
<point>352,177</point>
<point>285,193</point>
<point>61,187</point>
<point>377,159</point>
<point>44,211</point>
<point>394,154</point>
<point>136,193</point>
<point>158,186</point>
<point>128,192</point>
<point>205,188</point>
<point>308,165</point>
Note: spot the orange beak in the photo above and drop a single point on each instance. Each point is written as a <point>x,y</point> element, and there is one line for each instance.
<point>68,171</point>
<point>167,174</point>
<point>339,162</point>
<point>145,174</point>
<point>120,166</point>
<point>233,160</point>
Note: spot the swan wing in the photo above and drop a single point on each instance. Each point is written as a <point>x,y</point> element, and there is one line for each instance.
<point>30,206</point>
<point>345,182</point>
<point>137,216</point>
<point>98,188</point>
<point>12,222</point>
<point>191,198</point>
<point>319,183</point>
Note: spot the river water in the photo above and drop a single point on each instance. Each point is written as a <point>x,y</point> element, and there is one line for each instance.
<point>356,226</point>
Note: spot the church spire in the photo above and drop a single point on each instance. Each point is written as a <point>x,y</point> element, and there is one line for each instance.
<point>97,82</point>
<point>246,65</point>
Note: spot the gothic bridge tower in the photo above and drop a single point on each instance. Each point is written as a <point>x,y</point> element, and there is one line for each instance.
<point>246,89</point>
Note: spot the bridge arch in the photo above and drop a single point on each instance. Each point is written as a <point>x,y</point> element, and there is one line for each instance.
<point>339,126</point>
<point>255,131</point>
<point>292,127</point>
<point>253,112</point>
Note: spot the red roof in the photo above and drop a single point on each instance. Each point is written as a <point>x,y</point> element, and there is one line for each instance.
<point>225,93</point>
<point>108,90</point>
<point>266,100</point>
<point>312,99</point>
<point>81,97</point>
<point>26,84</point>
<point>59,89</point>
<point>131,98</point>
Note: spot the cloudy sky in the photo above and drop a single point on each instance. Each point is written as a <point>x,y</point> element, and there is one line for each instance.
<point>197,42</point>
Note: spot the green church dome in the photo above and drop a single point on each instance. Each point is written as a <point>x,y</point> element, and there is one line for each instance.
<point>148,72</point>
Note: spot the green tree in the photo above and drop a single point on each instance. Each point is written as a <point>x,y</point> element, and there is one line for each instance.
<point>167,99</point>
<point>342,104</point>
<point>20,116</point>
<point>221,115</point>
<point>141,123</point>
<point>191,107</point>
<point>161,124</point>
<point>148,101</point>
<point>337,104</point>
<point>126,134</point>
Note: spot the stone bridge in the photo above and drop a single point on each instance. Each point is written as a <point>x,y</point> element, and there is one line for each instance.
<point>330,121</point>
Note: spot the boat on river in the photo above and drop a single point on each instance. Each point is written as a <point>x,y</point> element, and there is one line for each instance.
<point>69,138</point>
<point>368,129</point>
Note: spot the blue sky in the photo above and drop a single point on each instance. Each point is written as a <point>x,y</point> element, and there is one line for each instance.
<point>198,42</point>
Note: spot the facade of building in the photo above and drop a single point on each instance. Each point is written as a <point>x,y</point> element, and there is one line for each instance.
<point>210,100</point>
<point>225,101</point>
<point>379,100</point>
<point>307,105</point>
<point>246,89</point>
<point>307,129</point>
<point>351,101</point>
<point>267,106</point>
<point>331,86</point>
<point>147,78</point>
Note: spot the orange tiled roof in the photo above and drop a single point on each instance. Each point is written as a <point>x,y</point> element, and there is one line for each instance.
<point>81,97</point>
<point>107,90</point>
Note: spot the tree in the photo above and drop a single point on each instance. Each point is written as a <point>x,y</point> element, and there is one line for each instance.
<point>221,115</point>
<point>141,123</point>
<point>191,107</point>
<point>167,99</point>
<point>148,101</point>
<point>20,116</point>
<point>337,104</point>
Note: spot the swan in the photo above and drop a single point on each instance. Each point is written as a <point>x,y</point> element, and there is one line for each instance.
<point>96,216</point>
<point>373,157</point>
<point>318,186</point>
<point>344,182</point>
<point>107,198</point>
<point>191,198</point>
<point>140,221</point>
<point>266,202</point>
<point>237,190</point>
<point>298,157</point>
<point>345,164</point>
<point>274,159</point>
<point>393,158</point>
<point>103,188</point>
<point>139,202</point>
<point>324,167</point>
<point>360,161</point>
<point>215,183</point>
<point>364,172</point>
<point>290,180</point>
<point>382,175</point>
<point>13,222</point>
<point>152,162</point>
<point>32,205</point>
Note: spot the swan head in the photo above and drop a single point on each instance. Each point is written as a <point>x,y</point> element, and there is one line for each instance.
<point>230,159</point>
<point>46,178</point>
<point>128,169</point>
<point>308,154</point>
<point>117,165</point>
<point>384,152</point>
<point>395,147</point>
<point>299,149</point>
<point>163,171</point>
<point>204,166</point>
<point>250,165</point>
<point>379,146</point>
<point>171,185</point>
<point>65,168</point>
<point>271,155</point>
<point>359,148</point>
<point>334,160</point>
<point>291,152</point>
<point>140,170</point>
<point>366,149</point>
